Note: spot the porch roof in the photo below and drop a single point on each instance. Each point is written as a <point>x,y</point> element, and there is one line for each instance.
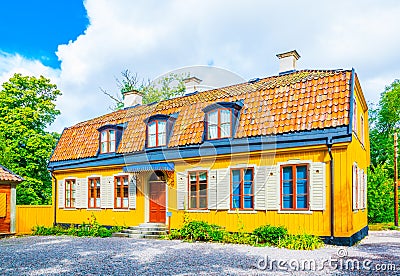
<point>163,166</point>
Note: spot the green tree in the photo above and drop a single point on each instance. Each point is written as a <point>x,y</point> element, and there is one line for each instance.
<point>168,87</point>
<point>26,108</point>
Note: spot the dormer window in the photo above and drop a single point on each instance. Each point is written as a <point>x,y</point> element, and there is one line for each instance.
<point>221,120</point>
<point>157,133</point>
<point>159,129</point>
<point>110,135</point>
<point>219,124</point>
<point>108,141</point>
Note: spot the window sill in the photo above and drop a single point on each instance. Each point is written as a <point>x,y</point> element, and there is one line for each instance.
<point>242,212</point>
<point>69,209</point>
<point>122,210</point>
<point>197,211</point>
<point>306,212</point>
<point>93,209</point>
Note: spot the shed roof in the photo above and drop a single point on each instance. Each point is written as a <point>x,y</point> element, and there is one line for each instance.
<point>8,176</point>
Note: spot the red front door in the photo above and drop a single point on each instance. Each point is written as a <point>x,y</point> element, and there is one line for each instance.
<point>157,201</point>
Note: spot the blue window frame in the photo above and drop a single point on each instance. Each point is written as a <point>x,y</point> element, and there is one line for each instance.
<point>242,183</point>
<point>294,179</point>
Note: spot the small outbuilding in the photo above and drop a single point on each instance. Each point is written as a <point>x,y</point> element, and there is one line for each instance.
<point>8,184</point>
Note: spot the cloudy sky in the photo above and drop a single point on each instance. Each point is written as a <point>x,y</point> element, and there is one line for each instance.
<point>84,46</point>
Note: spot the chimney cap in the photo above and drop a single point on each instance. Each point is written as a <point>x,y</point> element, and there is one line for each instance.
<point>132,91</point>
<point>292,53</point>
<point>192,79</point>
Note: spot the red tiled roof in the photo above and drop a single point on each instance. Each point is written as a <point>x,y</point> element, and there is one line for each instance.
<point>303,100</point>
<point>9,176</point>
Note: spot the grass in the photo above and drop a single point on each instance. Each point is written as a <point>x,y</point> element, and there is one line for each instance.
<point>382,226</point>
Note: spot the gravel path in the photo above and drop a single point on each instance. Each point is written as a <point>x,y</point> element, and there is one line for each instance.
<point>378,254</point>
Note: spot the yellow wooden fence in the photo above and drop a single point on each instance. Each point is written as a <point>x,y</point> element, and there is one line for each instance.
<point>29,216</point>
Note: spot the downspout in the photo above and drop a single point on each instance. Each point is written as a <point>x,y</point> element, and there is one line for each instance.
<point>329,144</point>
<point>55,196</point>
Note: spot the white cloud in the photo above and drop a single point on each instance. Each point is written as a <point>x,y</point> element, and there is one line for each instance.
<point>153,37</point>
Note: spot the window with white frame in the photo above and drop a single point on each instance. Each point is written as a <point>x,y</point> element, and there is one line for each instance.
<point>94,192</point>
<point>121,194</point>
<point>359,188</point>
<point>70,193</point>
<point>294,187</point>
<point>107,141</point>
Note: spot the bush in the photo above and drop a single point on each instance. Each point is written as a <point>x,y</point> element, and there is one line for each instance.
<point>92,229</point>
<point>301,242</point>
<point>201,231</point>
<point>270,235</point>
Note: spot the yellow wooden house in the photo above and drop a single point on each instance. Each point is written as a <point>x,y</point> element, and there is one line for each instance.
<point>290,149</point>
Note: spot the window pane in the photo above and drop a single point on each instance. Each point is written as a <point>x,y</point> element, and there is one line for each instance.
<point>152,140</point>
<point>248,202</point>
<point>226,130</point>
<point>118,181</point>
<point>125,192</point>
<point>247,188</point>
<point>287,188</point>
<point>248,175</point>
<point>236,202</point>
<point>287,202</point>
<point>192,177</point>
<point>203,192</point>
<point>301,187</point>
<point>112,146</point>
<point>236,175</point>
<point>301,172</point>
<point>236,188</point>
<point>162,141</point>
<point>301,201</point>
<point>112,135</point>
<point>212,131</point>
<point>98,202</point>
<point>202,176</point>
<point>192,188</point>
<point>104,147</point>
<point>287,173</point>
<point>225,116</point>
<point>118,203</point>
<point>152,128</point>
<point>91,202</point>
<point>161,127</point>
<point>203,202</point>
<point>104,136</point>
<point>125,181</point>
<point>213,118</point>
<point>193,202</point>
<point>125,202</point>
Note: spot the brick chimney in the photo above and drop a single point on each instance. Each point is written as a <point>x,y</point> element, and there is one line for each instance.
<point>132,98</point>
<point>287,62</point>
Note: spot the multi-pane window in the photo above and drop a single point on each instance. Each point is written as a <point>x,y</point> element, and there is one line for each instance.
<point>121,194</point>
<point>219,124</point>
<point>107,141</point>
<point>294,187</point>
<point>242,196</point>
<point>70,193</point>
<point>157,133</point>
<point>94,193</point>
<point>198,190</point>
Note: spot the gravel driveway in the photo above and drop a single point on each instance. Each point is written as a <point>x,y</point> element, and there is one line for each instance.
<point>377,254</point>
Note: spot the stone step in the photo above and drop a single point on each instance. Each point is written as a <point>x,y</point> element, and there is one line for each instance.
<point>151,236</point>
<point>154,233</point>
<point>120,235</point>
<point>144,230</point>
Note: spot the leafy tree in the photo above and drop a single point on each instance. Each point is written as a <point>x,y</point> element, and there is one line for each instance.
<point>26,108</point>
<point>380,194</point>
<point>168,87</point>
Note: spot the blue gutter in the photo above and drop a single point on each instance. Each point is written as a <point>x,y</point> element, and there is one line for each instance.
<point>352,97</point>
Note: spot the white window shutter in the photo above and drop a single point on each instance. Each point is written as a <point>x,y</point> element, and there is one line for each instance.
<point>132,192</point>
<point>181,190</point>
<point>259,188</point>
<point>78,195</point>
<point>317,186</point>
<point>354,180</point>
<point>272,188</point>
<point>107,192</point>
<point>84,193</point>
<point>223,189</point>
<point>359,188</point>
<point>365,190</point>
<point>212,190</point>
<point>61,194</point>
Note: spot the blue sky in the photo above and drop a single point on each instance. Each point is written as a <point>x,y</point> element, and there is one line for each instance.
<point>83,46</point>
<point>34,29</point>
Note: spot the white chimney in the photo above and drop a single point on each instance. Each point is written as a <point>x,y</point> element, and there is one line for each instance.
<point>132,98</point>
<point>287,61</point>
<point>192,84</point>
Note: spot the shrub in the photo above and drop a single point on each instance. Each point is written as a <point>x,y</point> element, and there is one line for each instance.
<point>92,229</point>
<point>270,235</point>
<point>301,242</point>
<point>201,231</point>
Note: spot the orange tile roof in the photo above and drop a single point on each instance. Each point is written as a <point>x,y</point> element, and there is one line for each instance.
<point>8,176</point>
<point>303,100</point>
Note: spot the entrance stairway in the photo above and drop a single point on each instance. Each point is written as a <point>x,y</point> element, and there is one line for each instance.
<point>143,231</point>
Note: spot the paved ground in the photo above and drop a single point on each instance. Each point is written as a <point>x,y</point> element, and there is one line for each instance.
<point>378,254</point>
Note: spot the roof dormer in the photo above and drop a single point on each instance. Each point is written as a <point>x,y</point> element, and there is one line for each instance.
<point>110,136</point>
<point>158,130</point>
